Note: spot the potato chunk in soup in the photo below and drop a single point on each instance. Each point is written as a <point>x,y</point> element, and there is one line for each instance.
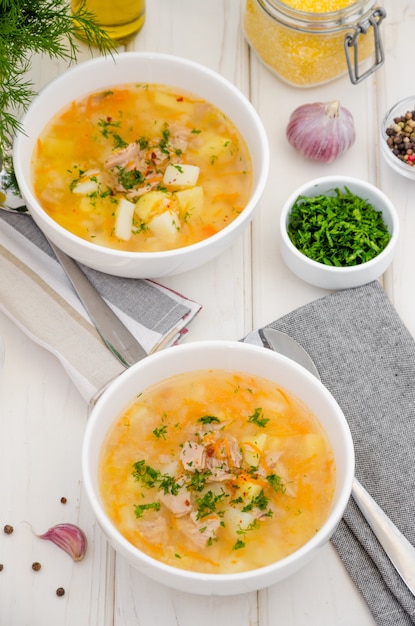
<point>217,471</point>
<point>142,167</point>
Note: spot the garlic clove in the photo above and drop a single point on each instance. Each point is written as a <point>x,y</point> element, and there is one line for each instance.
<point>321,131</point>
<point>69,538</point>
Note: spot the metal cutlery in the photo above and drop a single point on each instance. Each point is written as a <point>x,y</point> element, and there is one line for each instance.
<point>116,336</point>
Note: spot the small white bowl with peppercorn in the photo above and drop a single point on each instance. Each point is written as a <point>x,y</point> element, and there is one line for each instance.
<point>398,137</point>
<point>338,232</point>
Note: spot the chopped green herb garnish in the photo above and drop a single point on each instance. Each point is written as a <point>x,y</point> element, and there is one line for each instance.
<point>208,503</point>
<point>140,508</point>
<point>260,502</point>
<point>145,474</point>
<point>197,480</point>
<point>276,483</point>
<point>160,433</point>
<point>339,230</point>
<point>238,500</point>
<point>208,419</point>
<point>143,142</point>
<point>256,418</point>
<point>129,178</point>
<point>164,141</point>
<point>168,484</point>
<point>150,477</point>
<point>107,125</point>
<point>238,545</point>
<point>119,142</point>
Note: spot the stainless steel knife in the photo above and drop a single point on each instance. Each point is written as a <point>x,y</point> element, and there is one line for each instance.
<point>116,336</point>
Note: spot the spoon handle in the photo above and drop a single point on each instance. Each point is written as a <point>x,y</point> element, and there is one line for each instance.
<point>397,547</point>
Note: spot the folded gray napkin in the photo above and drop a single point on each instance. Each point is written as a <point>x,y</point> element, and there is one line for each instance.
<point>366,358</point>
<point>36,294</point>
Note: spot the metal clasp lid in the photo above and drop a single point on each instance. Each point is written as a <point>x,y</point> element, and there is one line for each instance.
<point>352,41</point>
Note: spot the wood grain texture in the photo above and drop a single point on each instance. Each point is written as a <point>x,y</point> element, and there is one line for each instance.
<point>42,417</point>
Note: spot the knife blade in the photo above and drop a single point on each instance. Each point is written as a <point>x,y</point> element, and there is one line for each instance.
<point>116,336</point>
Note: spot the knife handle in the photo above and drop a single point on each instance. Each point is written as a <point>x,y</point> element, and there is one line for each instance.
<point>120,341</point>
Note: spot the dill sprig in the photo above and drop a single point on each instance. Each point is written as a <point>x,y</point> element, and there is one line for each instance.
<point>29,27</point>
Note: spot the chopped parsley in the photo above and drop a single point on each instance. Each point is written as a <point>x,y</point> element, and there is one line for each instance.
<point>338,230</point>
<point>207,504</point>
<point>164,141</point>
<point>209,419</point>
<point>129,178</point>
<point>140,508</point>
<point>161,432</point>
<point>119,141</point>
<point>260,502</point>
<point>106,126</point>
<point>238,544</point>
<point>276,483</point>
<point>258,419</point>
<point>197,480</point>
<point>150,478</point>
<point>145,474</point>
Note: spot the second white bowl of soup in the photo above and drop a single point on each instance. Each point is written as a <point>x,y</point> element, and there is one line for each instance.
<point>144,165</point>
<point>217,467</point>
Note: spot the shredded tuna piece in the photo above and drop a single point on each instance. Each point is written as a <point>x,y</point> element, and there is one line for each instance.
<point>193,456</point>
<point>155,530</point>
<point>123,156</point>
<point>158,157</point>
<point>218,458</point>
<point>234,451</point>
<point>179,504</point>
<point>200,531</point>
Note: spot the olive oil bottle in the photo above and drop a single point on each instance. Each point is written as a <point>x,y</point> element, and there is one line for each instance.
<point>121,19</point>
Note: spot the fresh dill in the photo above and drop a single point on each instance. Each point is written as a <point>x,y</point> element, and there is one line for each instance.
<point>37,27</point>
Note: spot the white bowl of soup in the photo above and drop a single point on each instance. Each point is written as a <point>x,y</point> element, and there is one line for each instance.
<point>217,467</point>
<point>143,165</point>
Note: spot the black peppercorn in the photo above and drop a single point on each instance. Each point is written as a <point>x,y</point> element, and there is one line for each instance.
<point>8,529</point>
<point>36,566</point>
<point>60,591</point>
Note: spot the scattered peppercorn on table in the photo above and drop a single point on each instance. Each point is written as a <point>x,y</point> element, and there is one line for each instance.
<point>43,416</point>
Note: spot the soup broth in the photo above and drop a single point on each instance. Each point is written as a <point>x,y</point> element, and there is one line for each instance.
<point>142,167</point>
<point>217,471</point>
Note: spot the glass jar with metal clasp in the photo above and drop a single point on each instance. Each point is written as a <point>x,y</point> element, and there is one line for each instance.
<point>307,48</point>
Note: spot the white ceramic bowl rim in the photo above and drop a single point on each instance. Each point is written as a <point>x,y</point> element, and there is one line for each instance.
<point>320,537</point>
<point>338,181</point>
<point>260,177</point>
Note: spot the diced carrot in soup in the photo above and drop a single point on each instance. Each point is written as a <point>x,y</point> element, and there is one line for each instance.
<point>227,471</point>
<point>132,134</point>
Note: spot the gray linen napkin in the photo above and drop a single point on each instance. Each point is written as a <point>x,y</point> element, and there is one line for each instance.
<point>366,358</point>
<point>37,295</point>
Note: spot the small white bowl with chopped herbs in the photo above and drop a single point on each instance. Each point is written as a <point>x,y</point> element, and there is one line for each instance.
<point>338,232</point>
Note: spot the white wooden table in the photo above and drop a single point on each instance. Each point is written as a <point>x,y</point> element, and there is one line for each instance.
<point>42,417</point>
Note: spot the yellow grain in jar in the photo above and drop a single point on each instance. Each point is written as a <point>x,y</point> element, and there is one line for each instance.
<point>303,41</point>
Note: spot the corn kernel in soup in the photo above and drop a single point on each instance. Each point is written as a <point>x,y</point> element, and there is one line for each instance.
<point>142,167</point>
<point>217,471</point>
